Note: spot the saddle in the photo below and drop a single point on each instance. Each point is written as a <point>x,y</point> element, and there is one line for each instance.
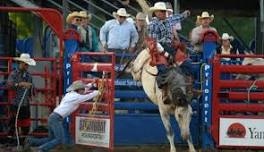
<point>179,56</point>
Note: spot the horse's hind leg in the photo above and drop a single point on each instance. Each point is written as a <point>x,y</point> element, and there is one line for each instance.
<point>165,117</point>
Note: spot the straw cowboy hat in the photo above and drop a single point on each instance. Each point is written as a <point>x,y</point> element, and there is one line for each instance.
<point>71,16</point>
<point>159,6</point>
<point>85,14</point>
<point>141,16</point>
<point>226,36</point>
<point>76,85</point>
<point>25,57</point>
<point>121,12</point>
<point>205,15</point>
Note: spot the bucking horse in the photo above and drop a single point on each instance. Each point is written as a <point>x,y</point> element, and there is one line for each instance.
<point>141,70</point>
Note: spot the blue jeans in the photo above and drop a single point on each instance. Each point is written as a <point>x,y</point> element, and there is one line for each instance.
<point>186,67</point>
<point>55,135</point>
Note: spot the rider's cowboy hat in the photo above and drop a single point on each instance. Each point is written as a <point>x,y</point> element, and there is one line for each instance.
<point>205,15</point>
<point>159,6</point>
<point>76,85</point>
<point>71,16</point>
<point>24,57</point>
<point>226,36</point>
<point>121,12</point>
<point>85,14</point>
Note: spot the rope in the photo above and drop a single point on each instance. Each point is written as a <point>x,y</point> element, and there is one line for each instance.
<point>253,86</point>
<point>18,110</point>
<point>98,98</point>
<point>201,75</point>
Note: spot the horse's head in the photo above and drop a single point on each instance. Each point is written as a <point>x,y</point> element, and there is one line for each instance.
<point>176,86</point>
<point>136,66</point>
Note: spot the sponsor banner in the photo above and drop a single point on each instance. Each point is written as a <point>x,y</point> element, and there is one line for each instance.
<point>241,132</point>
<point>92,131</point>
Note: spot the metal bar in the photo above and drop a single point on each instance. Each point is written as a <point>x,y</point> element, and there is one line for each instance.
<point>240,56</point>
<point>242,95</point>
<point>58,5</point>
<point>243,69</point>
<point>176,6</point>
<point>99,8</point>
<point>240,84</point>
<point>241,107</point>
<point>261,15</point>
<point>89,66</point>
<point>100,106</point>
<point>78,6</point>
<point>25,3</point>
<point>238,36</point>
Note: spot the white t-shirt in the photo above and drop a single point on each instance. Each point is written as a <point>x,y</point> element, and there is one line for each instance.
<point>70,102</point>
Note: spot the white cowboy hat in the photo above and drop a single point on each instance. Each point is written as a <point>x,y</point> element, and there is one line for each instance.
<point>159,6</point>
<point>205,15</point>
<point>121,12</point>
<point>226,36</point>
<point>71,16</point>
<point>25,57</point>
<point>85,14</point>
<point>76,85</point>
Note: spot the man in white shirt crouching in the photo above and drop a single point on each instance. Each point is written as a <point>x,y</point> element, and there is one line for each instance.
<point>77,93</point>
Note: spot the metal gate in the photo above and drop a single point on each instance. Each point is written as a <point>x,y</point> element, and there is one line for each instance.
<point>49,90</point>
<point>236,106</point>
<point>93,122</point>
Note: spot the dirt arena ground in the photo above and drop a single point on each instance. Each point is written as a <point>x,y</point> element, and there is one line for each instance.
<point>154,148</point>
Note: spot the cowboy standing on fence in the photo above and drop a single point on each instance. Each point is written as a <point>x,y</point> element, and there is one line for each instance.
<point>77,93</point>
<point>20,80</point>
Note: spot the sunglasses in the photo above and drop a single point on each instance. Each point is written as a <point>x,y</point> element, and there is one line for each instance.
<point>78,19</point>
<point>163,11</point>
<point>122,17</point>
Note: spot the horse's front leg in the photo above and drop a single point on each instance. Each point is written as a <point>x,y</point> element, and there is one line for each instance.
<point>190,144</point>
<point>183,116</point>
<point>165,117</point>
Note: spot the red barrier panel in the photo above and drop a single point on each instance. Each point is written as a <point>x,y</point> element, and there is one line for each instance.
<point>235,106</point>
<point>93,123</point>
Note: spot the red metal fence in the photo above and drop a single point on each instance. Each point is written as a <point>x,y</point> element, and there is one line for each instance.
<point>236,104</point>
<point>93,122</point>
<point>49,90</point>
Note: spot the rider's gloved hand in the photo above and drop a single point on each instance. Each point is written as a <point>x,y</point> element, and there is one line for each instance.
<point>160,48</point>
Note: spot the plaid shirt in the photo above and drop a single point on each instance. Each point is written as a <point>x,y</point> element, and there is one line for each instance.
<point>162,30</point>
<point>17,76</point>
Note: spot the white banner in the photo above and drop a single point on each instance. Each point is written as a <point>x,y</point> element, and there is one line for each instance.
<point>92,131</point>
<point>241,132</point>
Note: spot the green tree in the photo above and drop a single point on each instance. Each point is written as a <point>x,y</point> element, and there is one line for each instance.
<point>24,24</point>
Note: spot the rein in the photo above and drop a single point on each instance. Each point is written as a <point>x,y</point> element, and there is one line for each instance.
<point>128,63</point>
